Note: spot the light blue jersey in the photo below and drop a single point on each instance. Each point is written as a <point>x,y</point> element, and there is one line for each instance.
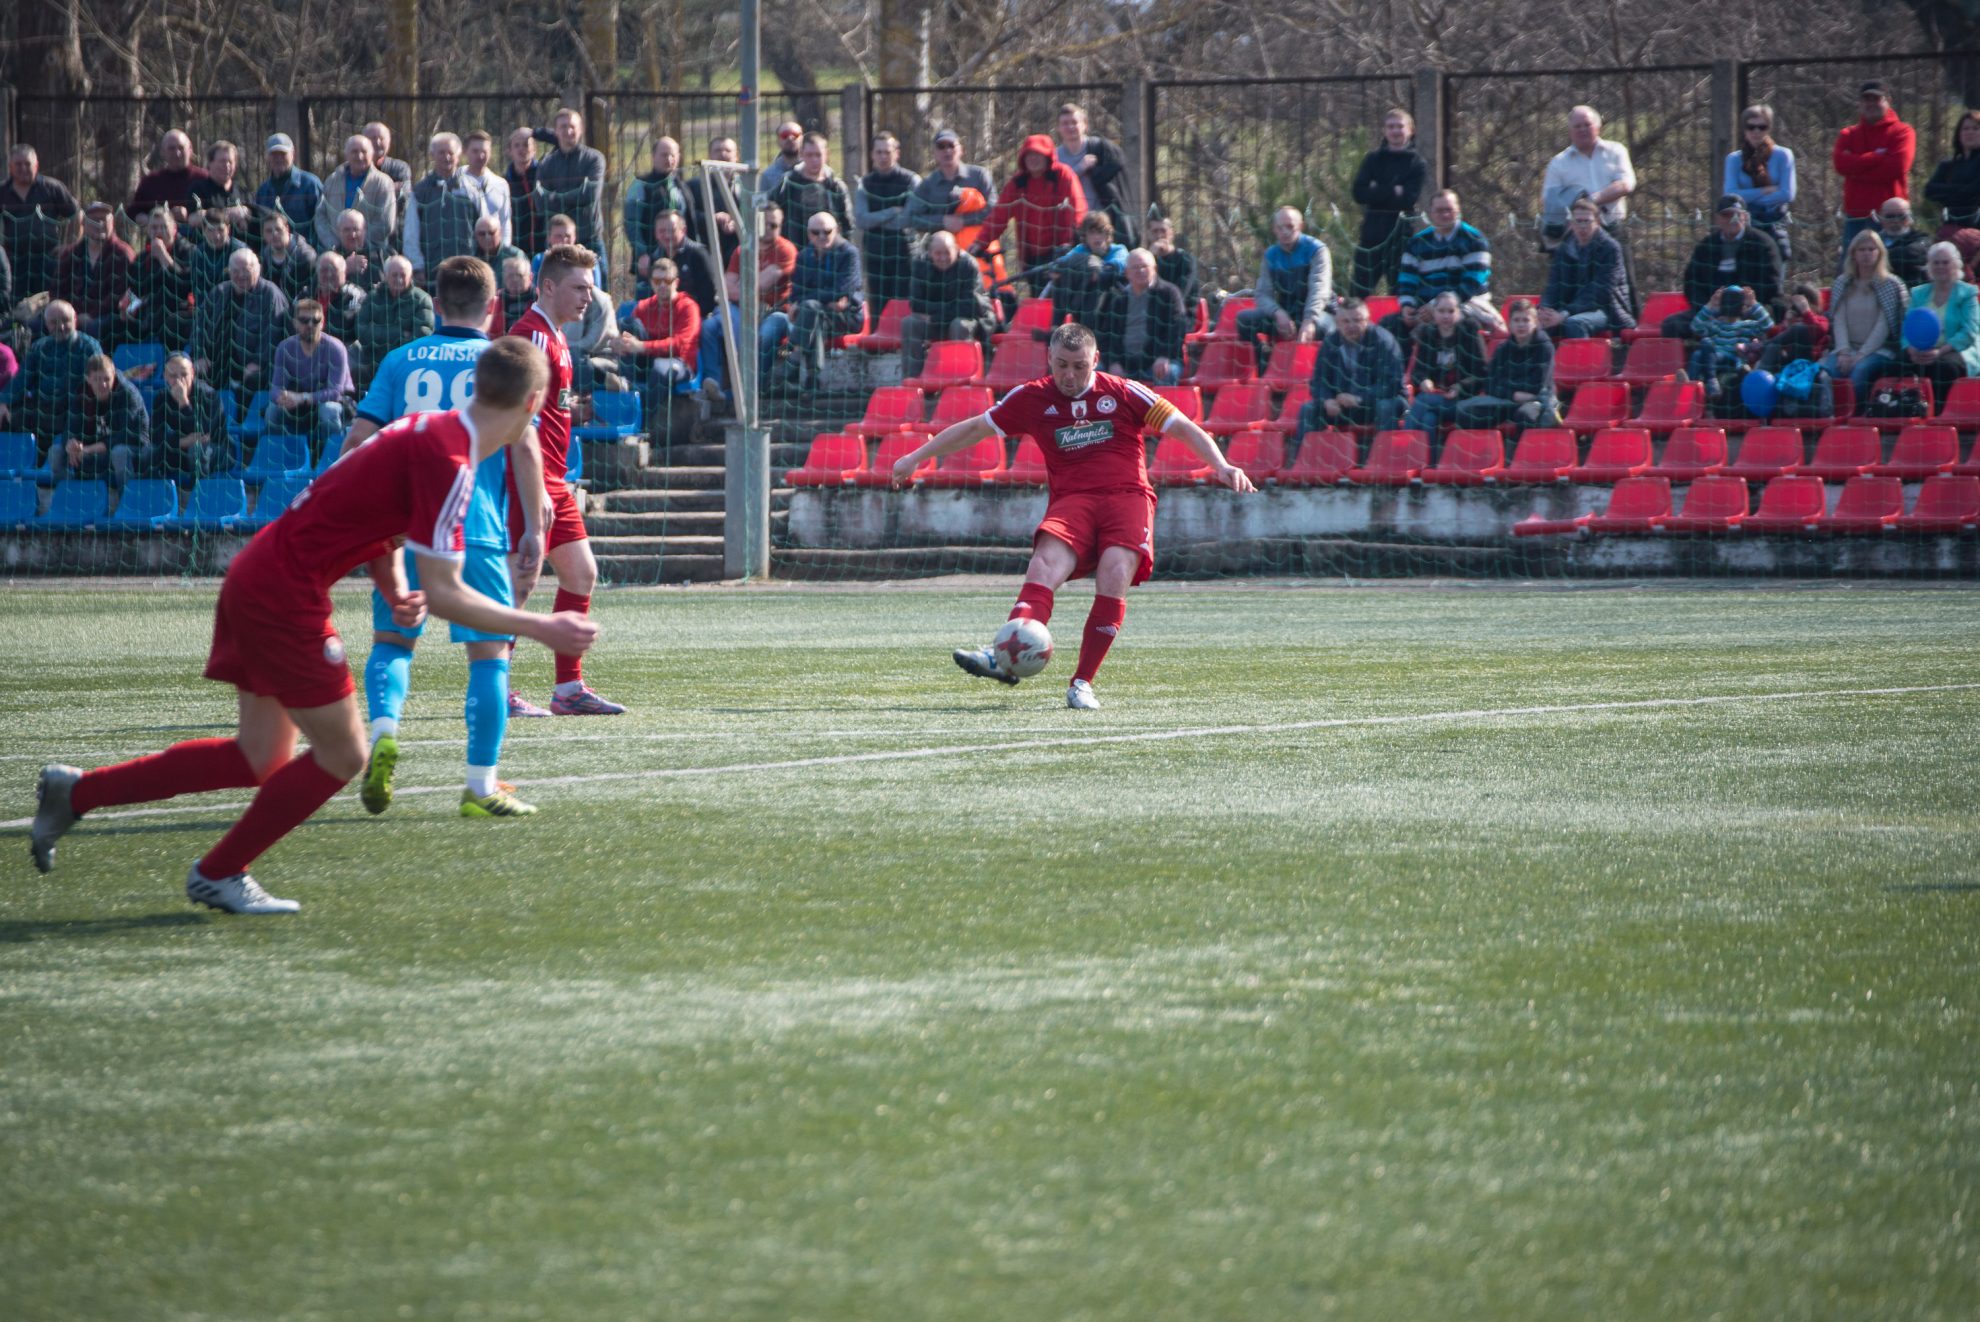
<point>433,373</point>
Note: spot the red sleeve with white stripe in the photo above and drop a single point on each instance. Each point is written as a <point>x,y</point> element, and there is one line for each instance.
<point>439,481</point>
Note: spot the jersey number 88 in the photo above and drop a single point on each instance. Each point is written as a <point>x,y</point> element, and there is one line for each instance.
<point>425,386</point>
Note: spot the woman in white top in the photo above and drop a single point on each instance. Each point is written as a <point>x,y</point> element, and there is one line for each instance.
<point>1866,314</point>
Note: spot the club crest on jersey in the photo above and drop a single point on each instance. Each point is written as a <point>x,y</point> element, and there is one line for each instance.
<point>333,650</point>
<point>1108,404</point>
<point>1079,408</point>
<point>1079,435</point>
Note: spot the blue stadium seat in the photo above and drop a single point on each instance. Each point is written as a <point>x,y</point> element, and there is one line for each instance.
<point>250,424</point>
<point>216,501</point>
<point>78,504</point>
<point>615,415</point>
<point>574,464</point>
<point>145,503</point>
<point>332,452</point>
<point>144,364</point>
<point>17,455</point>
<point>17,502</point>
<point>277,453</point>
<point>274,498</point>
<point>230,405</point>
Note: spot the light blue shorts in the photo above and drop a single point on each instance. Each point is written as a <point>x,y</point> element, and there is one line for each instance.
<point>486,570</point>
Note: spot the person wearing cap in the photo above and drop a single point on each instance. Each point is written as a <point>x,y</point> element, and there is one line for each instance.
<point>932,203</point>
<point>292,191</point>
<point>1873,156</point>
<point>94,273</point>
<point>1734,253</point>
<point>790,135</point>
<point>174,183</point>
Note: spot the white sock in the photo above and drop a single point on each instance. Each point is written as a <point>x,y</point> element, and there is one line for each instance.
<point>481,781</point>
<point>570,687</point>
<point>382,727</point>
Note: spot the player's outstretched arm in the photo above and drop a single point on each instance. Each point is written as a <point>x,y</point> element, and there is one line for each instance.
<point>1206,449</point>
<point>564,632</point>
<point>956,436</point>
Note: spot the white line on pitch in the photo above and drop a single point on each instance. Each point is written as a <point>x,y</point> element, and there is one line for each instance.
<point>1099,740</point>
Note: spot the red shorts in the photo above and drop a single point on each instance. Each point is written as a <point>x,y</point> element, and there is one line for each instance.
<point>1091,521</point>
<point>275,639</point>
<point>566,519</point>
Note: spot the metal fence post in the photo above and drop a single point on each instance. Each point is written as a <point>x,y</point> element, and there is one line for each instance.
<point>1137,143</point>
<point>290,119</point>
<point>1433,123</point>
<point>853,130</point>
<point>1725,113</point>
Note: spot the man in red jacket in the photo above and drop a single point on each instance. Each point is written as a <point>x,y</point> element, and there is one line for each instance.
<point>665,334</point>
<point>1046,200</point>
<point>1873,156</point>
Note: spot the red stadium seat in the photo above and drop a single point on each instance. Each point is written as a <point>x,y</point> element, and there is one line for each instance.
<point>1639,504</point>
<point>950,363</point>
<point>1597,405</point>
<point>886,337</point>
<point>1543,454</point>
<point>852,338</point>
<point>1970,466</point>
<point>956,404</point>
<point>1615,453</point>
<point>1946,503</point>
<point>1225,362</point>
<point>1292,365</point>
<point>1766,453</point>
<point>1176,464</point>
<point>1027,465</point>
<point>890,409</point>
<point>1577,362</point>
<point>1394,459</point>
<point>1789,503</point>
<point>1228,314</point>
<point>1016,361</point>
<point>1261,454</point>
<point>1922,385</point>
<point>1323,459</point>
<point>1962,406</point>
<point>1287,423</point>
<point>1188,400</point>
<point>1867,505</point>
<point>971,467</point>
<point>1921,451</point>
<point>1472,457</point>
<point>1652,359</point>
<point>1033,314</point>
<point>833,458</point>
<point>1842,452</point>
<point>1239,408</point>
<point>1670,405</point>
<point>1713,503</point>
<point>1655,309</point>
<point>892,450</point>
<point>1691,452</point>
<point>1382,305</point>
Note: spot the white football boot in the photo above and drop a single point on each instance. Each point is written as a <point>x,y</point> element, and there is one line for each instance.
<point>239,893</point>
<point>1079,696</point>
<point>53,815</point>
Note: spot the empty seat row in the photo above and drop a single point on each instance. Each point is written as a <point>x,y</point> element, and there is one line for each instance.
<point>216,504</point>
<point>1947,503</point>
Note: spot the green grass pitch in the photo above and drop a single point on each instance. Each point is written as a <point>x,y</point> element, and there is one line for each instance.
<point>1528,1006</point>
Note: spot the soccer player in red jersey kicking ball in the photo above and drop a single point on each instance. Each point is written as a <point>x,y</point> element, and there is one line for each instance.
<point>273,638</point>
<point>564,289</point>
<point>1100,516</point>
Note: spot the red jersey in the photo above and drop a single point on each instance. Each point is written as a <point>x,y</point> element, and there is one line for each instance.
<point>553,423</point>
<point>1092,443</point>
<point>412,479</point>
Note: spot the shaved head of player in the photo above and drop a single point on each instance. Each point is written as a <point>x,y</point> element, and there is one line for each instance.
<point>275,641</point>
<point>1100,511</point>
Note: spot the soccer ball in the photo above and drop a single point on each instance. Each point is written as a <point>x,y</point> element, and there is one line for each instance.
<point>1023,648</point>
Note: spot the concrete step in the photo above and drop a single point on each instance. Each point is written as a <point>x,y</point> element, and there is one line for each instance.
<point>683,478</point>
<point>897,562</point>
<point>668,545</point>
<point>613,523</point>
<point>643,569</point>
<point>661,501</point>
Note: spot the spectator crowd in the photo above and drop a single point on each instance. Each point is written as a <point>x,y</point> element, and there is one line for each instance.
<point>283,299</point>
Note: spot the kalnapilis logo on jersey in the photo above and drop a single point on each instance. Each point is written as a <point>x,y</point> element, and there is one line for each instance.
<point>565,398</point>
<point>1082,434</point>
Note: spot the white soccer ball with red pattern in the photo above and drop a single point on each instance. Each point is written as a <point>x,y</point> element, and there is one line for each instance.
<point>1023,648</point>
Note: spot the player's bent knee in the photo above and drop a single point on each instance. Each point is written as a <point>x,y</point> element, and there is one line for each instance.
<point>384,639</point>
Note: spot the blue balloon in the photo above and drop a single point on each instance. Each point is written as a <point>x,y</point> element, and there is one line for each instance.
<point>1921,328</point>
<point>1760,393</point>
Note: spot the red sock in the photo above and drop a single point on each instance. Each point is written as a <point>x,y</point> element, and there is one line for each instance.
<point>570,669</point>
<point>1034,600</point>
<point>1102,623</point>
<point>285,802</point>
<point>193,767</point>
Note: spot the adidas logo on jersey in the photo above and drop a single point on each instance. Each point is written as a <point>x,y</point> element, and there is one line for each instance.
<point>1052,410</point>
